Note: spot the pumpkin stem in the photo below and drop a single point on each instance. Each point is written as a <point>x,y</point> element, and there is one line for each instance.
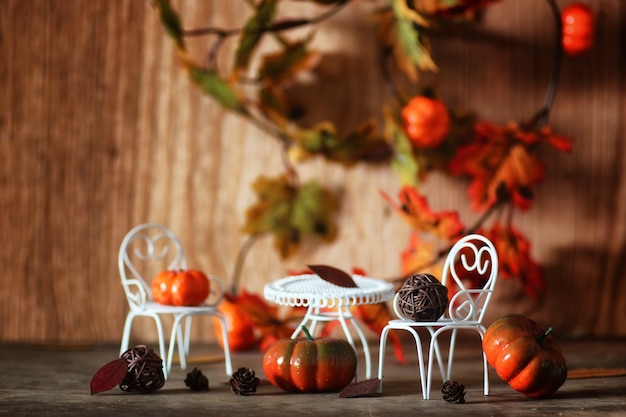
<point>307,333</point>
<point>541,338</point>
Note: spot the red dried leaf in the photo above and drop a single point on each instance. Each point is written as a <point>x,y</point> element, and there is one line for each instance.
<point>109,376</point>
<point>504,156</point>
<point>414,209</point>
<point>361,389</point>
<point>265,317</point>
<point>515,260</point>
<point>333,275</point>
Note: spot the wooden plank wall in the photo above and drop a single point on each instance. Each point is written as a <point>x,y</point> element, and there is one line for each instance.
<point>100,130</point>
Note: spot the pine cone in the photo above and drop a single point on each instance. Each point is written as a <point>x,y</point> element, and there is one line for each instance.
<point>244,382</point>
<point>196,381</point>
<point>453,392</point>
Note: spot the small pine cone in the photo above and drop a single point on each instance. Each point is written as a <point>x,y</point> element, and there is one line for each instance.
<point>453,392</point>
<point>196,381</point>
<point>244,382</point>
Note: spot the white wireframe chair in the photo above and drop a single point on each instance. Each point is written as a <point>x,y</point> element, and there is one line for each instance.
<point>146,250</point>
<point>473,254</point>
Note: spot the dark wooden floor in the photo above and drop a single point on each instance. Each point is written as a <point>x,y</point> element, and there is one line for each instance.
<point>54,381</point>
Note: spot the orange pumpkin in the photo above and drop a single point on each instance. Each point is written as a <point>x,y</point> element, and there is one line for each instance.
<point>525,356</point>
<point>180,287</point>
<point>426,121</point>
<point>578,28</point>
<point>241,333</point>
<point>310,365</point>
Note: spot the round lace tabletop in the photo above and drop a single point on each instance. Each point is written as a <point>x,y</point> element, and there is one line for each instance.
<point>311,291</point>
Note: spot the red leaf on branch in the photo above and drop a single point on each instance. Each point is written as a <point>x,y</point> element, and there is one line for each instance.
<point>503,156</point>
<point>333,275</point>
<point>515,259</point>
<point>414,208</point>
<point>420,256</point>
<point>109,376</point>
<point>265,317</point>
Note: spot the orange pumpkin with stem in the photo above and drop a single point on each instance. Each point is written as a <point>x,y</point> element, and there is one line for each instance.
<point>426,121</point>
<point>525,356</point>
<point>310,365</point>
<point>180,287</point>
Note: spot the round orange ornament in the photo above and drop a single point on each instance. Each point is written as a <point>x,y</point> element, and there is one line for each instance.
<point>180,287</point>
<point>426,121</point>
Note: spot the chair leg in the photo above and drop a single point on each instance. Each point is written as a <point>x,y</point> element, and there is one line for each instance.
<point>420,356</point>
<point>187,335</point>
<point>174,338</point>
<point>381,357</point>
<point>159,326</point>
<point>451,354</point>
<point>434,345</point>
<point>182,339</point>
<point>435,341</point>
<point>485,368</point>
<point>226,343</point>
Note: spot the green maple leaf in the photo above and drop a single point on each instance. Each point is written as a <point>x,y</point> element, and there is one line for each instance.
<point>276,71</point>
<point>171,21</point>
<point>362,144</point>
<point>213,85</point>
<point>291,212</point>
<point>409,47</point>
<point>403,161</point>
<point>253,32</point>
<point>284,65</point>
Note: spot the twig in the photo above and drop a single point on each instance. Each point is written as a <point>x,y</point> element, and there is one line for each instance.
<point>241,257</point>
<point>385,54</point>
<point>276,27</point>
<point>540,118</point>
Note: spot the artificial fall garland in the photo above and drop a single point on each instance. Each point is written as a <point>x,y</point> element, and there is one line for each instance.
<point>420,135</point>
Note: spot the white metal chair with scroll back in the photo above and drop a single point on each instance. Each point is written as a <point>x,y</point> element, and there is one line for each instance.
<point>473,254</point>
<point>146,250</point>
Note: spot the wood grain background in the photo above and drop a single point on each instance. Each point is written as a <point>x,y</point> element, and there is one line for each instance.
<point>100,130</point>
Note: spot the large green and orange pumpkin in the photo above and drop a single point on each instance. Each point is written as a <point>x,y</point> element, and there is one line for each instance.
<point>310,365</point>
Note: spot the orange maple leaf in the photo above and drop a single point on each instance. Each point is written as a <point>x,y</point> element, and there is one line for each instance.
<point>503,156</point>
<point>265,317</point>
<point>515,260</point>
<point>414,209</point>
<point>419,256</point>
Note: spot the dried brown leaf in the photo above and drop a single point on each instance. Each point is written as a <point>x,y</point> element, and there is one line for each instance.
<point>365,388</point>
<point>109,376</point>
<point>333,275</point>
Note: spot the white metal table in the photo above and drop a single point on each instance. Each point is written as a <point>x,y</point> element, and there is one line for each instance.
<point>329,302</point>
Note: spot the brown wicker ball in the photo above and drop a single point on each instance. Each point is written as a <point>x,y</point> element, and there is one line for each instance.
<point>422,298</point>
<point>145,370</point>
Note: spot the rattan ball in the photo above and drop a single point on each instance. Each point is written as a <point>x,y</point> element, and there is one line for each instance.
<point>422,298</point>
<point>145,370</point>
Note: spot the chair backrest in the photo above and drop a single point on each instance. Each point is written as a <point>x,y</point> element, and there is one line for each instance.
<point>470,272</point>
<point>146,250</point>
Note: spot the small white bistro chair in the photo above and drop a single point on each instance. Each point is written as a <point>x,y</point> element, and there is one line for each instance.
<point>473,254</point>
<point>146,250</point>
